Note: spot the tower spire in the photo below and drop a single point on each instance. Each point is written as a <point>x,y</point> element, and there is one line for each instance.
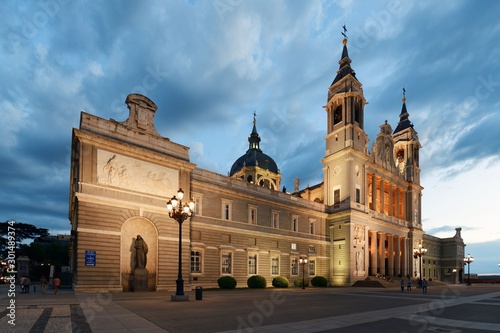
<point>404,116</point>
<point>254,137</point>
<point>345,62</point>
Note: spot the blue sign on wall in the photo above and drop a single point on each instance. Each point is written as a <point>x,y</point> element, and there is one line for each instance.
<point>90,258</point>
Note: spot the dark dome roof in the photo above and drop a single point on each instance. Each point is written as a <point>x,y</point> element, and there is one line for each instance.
<point>252,158</point>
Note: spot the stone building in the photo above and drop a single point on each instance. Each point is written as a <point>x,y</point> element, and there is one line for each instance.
<point>363,219</point>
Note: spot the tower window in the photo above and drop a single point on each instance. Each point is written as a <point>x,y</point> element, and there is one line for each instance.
<point>400,155</point>
<point>337,115</point>
<point>357,112</point>
<point>336,196</point>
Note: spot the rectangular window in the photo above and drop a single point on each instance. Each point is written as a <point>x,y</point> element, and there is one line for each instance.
<point>295,268</point>
<point>252,215</point>
<point>226,210</point>
<point>252,264</point>
<point>312,267</point>
<point>358,195</point>
<point>195,262</point>
<point>312,226</point>
<point>275,265</point>
<point>295,223</point>
<point>226,263</point>
<point>294,246</point>
<point>275,218</point>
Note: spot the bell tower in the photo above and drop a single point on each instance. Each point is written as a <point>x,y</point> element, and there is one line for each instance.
<point>346,140</point>
<point>344,108</point>
<point>407,146</point>
<point>406,150</point>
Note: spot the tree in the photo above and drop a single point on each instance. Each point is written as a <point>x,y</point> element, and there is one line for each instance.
<point>10,230</point>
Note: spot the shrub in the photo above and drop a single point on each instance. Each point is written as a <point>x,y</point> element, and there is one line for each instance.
<point>226,282</point>
<point>319,281</point>
<point>298,283</point>
<point>256,281</point>
<point>280,282</point>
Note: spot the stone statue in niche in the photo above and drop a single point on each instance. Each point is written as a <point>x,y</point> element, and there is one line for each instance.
<point>141,253</point>
<point>358,242</point>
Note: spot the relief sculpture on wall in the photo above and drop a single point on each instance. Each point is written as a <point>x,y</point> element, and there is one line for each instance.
<point>133,174</point>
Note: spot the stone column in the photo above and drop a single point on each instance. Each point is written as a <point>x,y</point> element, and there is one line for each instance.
<point>404,256</point>
<point>397,259</point>
<point>397,212</point>
<point>382,196</point>
<point>374,192</point>
<point>381,253</point>
<point>366,252</point>
<point>373,252</point>
<point>390,262</point>
<point>391,201</point>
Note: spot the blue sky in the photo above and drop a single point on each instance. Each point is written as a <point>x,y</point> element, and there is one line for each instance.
<point>208,65</point>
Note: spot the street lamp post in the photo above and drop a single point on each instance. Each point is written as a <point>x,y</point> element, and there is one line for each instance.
<point>303,262</point>
<point>468,260</point>
<point>180,213</point>
<point>418,253</point>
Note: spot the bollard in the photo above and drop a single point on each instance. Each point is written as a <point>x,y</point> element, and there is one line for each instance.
<point>199,293</point>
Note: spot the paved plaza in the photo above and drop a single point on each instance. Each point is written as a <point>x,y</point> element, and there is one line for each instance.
<point>445,308</point>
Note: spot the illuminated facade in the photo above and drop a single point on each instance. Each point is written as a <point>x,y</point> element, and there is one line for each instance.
<point>364,219</point>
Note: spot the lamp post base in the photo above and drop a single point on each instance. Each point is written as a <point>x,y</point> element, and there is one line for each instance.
<point>179,298</point>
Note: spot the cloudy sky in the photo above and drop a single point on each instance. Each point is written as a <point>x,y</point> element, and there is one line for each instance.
<point>208,65</point>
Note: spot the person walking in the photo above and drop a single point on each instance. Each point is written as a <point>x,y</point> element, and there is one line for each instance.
<point>402,285</point>
<point>408,286</point>
<point>424,286</point>
<point>57,284</point>
<point>43,284</point>
<point>27,283</point>
<point>21,283</point>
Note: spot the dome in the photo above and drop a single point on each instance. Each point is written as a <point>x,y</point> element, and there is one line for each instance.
<point>252,158</point>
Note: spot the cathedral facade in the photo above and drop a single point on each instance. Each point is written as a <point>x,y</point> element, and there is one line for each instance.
<point>364,219</point>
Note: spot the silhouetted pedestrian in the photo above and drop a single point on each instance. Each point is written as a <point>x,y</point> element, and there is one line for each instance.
<point>43,284</point>
<point>57,284</point>
<point>408,285</point>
